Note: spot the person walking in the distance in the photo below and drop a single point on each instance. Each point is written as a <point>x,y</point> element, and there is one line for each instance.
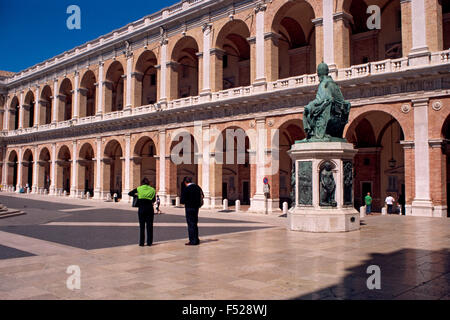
<point>192,198</point>
<point>368,200</point>
<point>390,203</point>
<point>146,198</point>
<point>158,204</point>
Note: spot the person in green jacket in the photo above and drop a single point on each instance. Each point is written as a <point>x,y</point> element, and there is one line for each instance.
<point>368,201</point>
<point>146,198</point>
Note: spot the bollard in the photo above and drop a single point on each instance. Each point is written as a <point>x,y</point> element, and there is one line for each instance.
<point>28,190</point>
<point>384,211</point>
<point>285,207</point>
<point>108,197</point>
<point>82,195</point>
<point>362,212</point>
<point>177,202</point>
<point>225,204</point>
<point>88,195</point>
<point>65,193</point>
<point>46,192</point>
<point>115,197</point>
<point>237,206</point>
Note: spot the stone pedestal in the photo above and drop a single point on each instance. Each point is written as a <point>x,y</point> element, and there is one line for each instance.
<point>312,213</point>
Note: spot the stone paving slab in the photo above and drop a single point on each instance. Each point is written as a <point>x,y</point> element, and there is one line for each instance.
<point>272,263</point>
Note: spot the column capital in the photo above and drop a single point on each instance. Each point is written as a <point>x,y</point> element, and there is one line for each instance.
<point>260,7</point>
<point>342,16</point>
<point>206,27</point>
<point>420,102</point>
<point>216,51</point>
<point>318,22</point>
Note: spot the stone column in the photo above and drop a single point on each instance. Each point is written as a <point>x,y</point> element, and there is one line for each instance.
<point>19,170</point>
<point>35,171</point>
<point>420,53</point>
<point>216,69</point>
<point>260,76</point>
<point>206,159</point>
<point>421,205</point>
<point>258,199</point>
<point>74,186</point>
<point>162,167</point>
<point>127,188</point>
<point>206,59</point>
<point>328,34</point>
<point>129,81</point>
<point>341,39</point>
<point>36,107</point>
<point>52,190</point>
<point>98,165</point>
<point>271,48</point>
<point>20,115</point>
<point>55,102</point>
<point>6,117</point>
<point>76,97</point>
<point>163,64</point>
<point>438,172</point>
<point>99,112</point>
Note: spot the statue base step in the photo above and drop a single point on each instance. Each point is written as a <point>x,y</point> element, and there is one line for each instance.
<point>324,220</point>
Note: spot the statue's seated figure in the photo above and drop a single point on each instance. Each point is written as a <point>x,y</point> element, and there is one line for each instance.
<point>325,117</point>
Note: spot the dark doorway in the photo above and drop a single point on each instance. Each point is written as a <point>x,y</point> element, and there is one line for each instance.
<point>365,187</point>
<point>246,193</point>
<point>224,190</point>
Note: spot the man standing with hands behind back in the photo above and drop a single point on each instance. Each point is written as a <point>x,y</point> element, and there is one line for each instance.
<point>192,198</point>
<point>146,198</point>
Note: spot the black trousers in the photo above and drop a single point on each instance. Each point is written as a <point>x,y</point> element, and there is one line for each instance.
<point>389,208</point>
<point>192,222</point>
<point>146,216</point>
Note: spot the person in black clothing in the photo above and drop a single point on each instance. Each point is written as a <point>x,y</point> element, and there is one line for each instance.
<point>146,198</point>
<point>192,198</point>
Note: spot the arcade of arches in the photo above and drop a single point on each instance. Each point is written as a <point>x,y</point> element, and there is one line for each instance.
<point>382,165</point>
<point>294,31</point>
<point>401,151</point>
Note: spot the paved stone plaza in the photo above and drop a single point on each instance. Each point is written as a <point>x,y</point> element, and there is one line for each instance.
<point>244,256</point>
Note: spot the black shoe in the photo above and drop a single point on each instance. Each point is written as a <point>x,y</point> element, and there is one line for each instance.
<point>149,245</point>
<point>192,244</point>
<point>141,245</point>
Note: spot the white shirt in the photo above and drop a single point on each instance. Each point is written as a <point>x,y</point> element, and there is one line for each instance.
<point>389,200</point>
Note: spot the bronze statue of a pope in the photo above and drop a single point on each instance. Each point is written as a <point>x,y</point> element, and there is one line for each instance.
<point>325,117</point>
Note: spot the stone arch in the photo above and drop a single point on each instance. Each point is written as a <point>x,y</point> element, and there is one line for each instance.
<point>290,131</point>
<point>86,169</point>
<point>374,45</point>
<point>144,162</point>
<point>28,110</point>
<point>380,165</point>
<point>44,169</point>
<point>233,55</point>
<point>113,174</point>
<point>88,94</point>
<point>145,78</point>
<point>184,69</point>
<point>114,88</point>
<point>63,169</point>
<point>296,43</point>
<point>12,169</point>
<point>234,168</point>
<point>45,105</point>
<point>14,114</point>
<point>274,8</point>
<point>65,100</point>
<point>27,169</point>
<point>184,153</point>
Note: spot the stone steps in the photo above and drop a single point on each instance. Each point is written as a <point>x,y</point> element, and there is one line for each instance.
<point>8,213</point>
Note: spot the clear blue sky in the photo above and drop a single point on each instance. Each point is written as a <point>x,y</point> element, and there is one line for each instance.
<point>32,31</point>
